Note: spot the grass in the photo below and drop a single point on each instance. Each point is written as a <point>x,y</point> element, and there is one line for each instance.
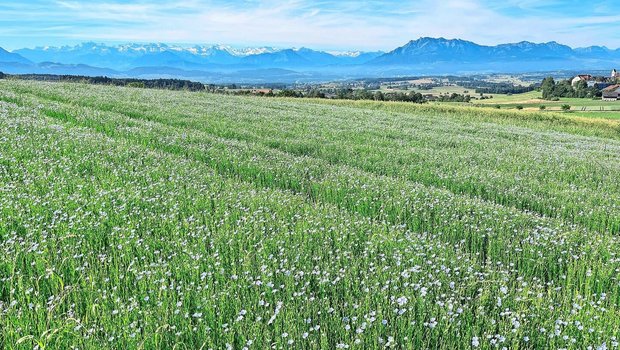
<point>604,114</point>
<point>526,97</point>
<point>531,101</point>
<point>134,218</point>
<point>436,91</point>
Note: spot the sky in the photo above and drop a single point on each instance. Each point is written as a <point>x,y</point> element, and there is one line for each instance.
<point>319,24</point>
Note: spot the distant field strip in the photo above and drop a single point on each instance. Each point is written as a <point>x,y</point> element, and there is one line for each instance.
<point>153,219</point>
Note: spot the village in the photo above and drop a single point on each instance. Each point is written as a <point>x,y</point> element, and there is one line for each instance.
<point>609,86</point>
<point>482,89</point>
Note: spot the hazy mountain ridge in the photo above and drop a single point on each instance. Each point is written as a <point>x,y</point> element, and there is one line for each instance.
<point>129,56</point>
<point>219,63</point>
<point>456,50</point>
<point>9,57</point>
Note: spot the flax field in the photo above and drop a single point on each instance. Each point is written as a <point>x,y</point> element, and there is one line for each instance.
<point>148,219</point>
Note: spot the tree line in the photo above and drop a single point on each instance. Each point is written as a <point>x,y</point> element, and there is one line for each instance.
<point>361,94</point>
<point>177,84</point>
<point>554,90</point>
<point>340,94</point>
<point>352,94</point>
<point>168,84</point>
<point>483,87</point>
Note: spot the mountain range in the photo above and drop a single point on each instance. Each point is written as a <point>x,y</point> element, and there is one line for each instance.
<point>219,63</point>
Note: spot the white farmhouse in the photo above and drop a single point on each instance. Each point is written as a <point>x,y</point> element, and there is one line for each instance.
<point>581,77</point>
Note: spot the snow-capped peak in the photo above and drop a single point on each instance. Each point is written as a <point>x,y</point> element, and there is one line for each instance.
<point>345,53</point>
<point>247,51</point>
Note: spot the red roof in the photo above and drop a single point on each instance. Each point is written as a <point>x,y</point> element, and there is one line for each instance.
<point>612,88</point>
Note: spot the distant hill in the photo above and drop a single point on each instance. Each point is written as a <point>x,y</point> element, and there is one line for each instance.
<point>130,56</point>
<point>426,50</point>
<point>431,50</point>
<point>9,57</point>
<point>440,55</point>
<point>281,59</point>
<point>220,63</point>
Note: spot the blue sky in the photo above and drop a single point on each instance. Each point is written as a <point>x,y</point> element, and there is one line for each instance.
<point>320,24</point>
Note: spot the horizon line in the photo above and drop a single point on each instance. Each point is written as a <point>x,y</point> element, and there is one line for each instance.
<point>186,45</point>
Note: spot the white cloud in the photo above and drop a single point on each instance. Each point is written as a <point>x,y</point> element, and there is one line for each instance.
<point>320,24</point>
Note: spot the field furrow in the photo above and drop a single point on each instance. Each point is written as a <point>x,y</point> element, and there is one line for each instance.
<point>543,172</point>
<point>514,239</point>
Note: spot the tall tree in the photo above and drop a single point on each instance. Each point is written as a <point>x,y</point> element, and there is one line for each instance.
<point>547,87</point>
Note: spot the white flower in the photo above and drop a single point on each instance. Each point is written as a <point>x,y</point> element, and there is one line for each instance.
<point>475,342</point>
<point>433,323</point>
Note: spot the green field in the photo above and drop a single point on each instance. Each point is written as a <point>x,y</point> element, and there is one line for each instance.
<point>528,97</point>
<point>436,91</point>
<point>150,219</point>
<point>530,101</point>
<point>579,106</point>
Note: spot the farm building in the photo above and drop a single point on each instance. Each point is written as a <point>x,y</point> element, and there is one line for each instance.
<point>611,93</point>
<point>581,77</point>
<point>599,85</point>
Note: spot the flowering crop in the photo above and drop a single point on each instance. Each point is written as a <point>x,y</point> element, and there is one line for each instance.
<point>134,218</point>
